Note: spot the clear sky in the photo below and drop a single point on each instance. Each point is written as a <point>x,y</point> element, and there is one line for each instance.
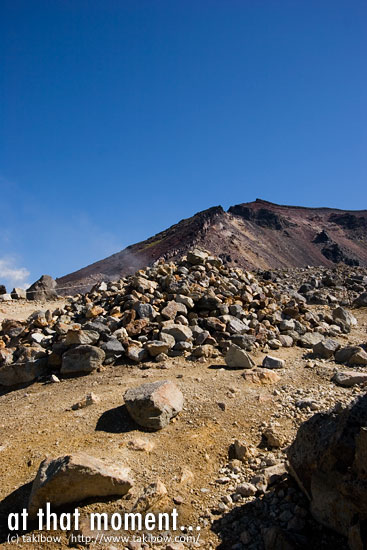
<point>118,118</point>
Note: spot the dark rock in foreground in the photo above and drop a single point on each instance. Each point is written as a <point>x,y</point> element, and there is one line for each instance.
<point>329,461</point>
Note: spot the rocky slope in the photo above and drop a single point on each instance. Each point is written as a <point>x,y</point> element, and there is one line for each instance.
<point>182,386</point>
<point>254,235</point>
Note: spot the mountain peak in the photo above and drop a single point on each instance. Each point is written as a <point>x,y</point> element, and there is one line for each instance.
<point>253,235</point>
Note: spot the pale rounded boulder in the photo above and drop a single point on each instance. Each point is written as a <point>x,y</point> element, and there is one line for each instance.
<point>73,478</point>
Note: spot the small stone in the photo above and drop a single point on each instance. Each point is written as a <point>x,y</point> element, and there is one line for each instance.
<point>261,377</point>
<point>272,438</point>
<point>139,444</point>
<point>196,257</point>
<point>137,354</point>
<point>359,358</point>
<point>181,333</point>
<point>238,358</point>
<point>186,476</point>
<point>246,489</point>
<point>270,362</point>
<point>19,294</point>
<point>156,347</point>
<point>89,399</point>
<point>151,496</point>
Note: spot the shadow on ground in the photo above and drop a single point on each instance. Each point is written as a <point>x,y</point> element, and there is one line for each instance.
<point>116,421</point>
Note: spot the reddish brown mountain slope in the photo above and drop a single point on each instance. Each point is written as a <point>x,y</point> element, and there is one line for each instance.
<point>254,235</point>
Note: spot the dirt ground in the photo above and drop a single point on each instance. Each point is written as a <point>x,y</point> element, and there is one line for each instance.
<point>37,421</point>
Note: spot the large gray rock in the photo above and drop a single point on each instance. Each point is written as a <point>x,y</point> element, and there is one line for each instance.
<point>349,378</point>
<point>82,360</point>
<point>341,314</point>
<point>180,333</point>
<point>113,349</point>
<point>136,353</point>
<point>152,405</point>
<point>145,311</point>
<point>326,348</point>
<point>22,373</point>
<point>328,459</point>
<point>236,326</point>
<point>2,289</point>
<point>43,289</point>
<point>73,478</point>
<point>238,358</point>
<point>344,355</point>
<point>359,358</point>
<point>244,341</point>
<point>310,339</point>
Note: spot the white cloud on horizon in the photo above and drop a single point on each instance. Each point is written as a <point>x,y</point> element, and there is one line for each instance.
<point>12,275</point>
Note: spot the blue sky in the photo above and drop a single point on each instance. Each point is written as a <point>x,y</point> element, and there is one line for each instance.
<point>119,118</point>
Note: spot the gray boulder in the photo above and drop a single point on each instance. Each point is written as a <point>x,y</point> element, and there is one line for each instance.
<point>43,289</point>
<point>349,378</point>
<point>152,405</point>
<point>113,349</point>
<point>180,333</point>
<point>238,358</point>
<point>136,353</point>
<point>344,355</point>
<point>326,348</point>
<point>82,360</point>
<point>341,314</point>
<point>244,341</point>
<point>310,339</point>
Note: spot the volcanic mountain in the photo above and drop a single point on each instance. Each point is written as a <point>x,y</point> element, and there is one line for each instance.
<point>253,235</point>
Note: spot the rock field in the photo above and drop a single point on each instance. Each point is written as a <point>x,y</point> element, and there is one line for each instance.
<point>235,397</point>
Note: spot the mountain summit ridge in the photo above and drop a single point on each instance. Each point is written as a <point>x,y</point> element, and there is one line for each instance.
<point>252,235</point>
